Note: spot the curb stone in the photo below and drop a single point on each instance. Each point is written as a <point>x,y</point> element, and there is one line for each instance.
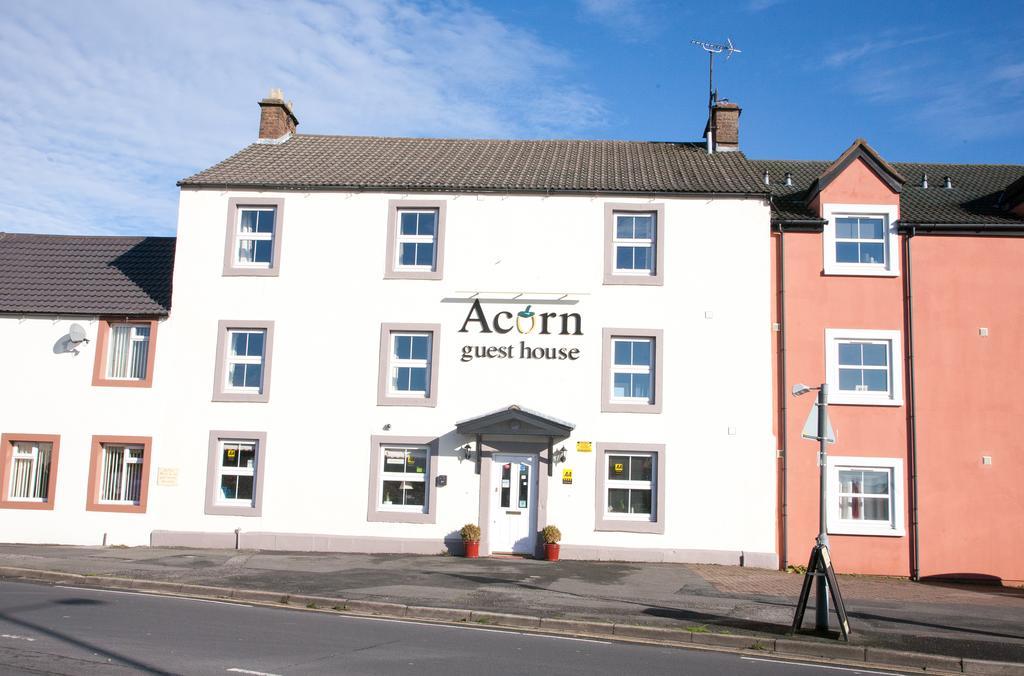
<point>856,655</point>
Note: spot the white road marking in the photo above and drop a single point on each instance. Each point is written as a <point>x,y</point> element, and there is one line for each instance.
<point>254,673</point>
<point>821,666</point>
<point>153,595</point>
<point>500,630</point>
<point>21,638</point>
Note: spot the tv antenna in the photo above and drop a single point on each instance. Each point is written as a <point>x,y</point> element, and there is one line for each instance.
<point>713,48</point>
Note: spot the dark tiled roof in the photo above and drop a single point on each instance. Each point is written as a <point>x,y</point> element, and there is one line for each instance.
<point>420,164</point>
<point>56,274</point>
<point>974,198</point>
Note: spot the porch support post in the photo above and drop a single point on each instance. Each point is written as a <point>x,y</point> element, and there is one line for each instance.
<point>551,452</point>
<point>479,451</point>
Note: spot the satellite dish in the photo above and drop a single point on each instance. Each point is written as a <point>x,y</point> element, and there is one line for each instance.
<point>77,334</point>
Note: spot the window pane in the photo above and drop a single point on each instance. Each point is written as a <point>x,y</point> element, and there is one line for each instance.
<point>416,462</point>
<point>640,468</point>
<point>872,253</point>
<point>624,257</point>
<point>847,252</point>
<point>876,509</point>
<point>408,223</point>
<point>229,487</point>
<point>424,254</point>
<point>618,467</point>
<point>639,501</point>
<point>245,485</point>
<point>255,348</point>
<point>253,375</point>
<point>876,381</point>
<point>846,228</point>
<point>850,354</point>
<point>246,249</point>
<point>236,375</point>
<point>247,455</point>
<point>623,352</point>
<point>643,227</point>
<point>624,227</point>
<point>618,500</point>
<point>876,483</point>
<point>641,385</point>
<point>238,343</point>
<point>402,377</point>
<point>394,461</point>
<point>418,379</point>
<point>230,457</point>
<point>871,228</point>
<point>265,222</point>
<point>408,254</point>
<point>875,354</point>
<point>391,493</point>
<point>403,347</point>
<point>261,253</point>
<point>415,493</point>
<point>524,485</point>
<point>420,347</point>
<point>248,221</point>
<point>506,484</point>
<point>427,222</point>
<point>642,353</point>
<point>849,379</point>
<point>642,258</point>
<point>622,386</point>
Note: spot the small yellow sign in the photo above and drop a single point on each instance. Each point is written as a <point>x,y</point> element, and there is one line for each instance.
<point>584,446</point>
<point>566,476</point>
<point>618,468</point>
<point>231,453</point>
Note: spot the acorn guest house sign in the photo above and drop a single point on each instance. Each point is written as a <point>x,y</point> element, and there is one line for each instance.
<point>525,323</point>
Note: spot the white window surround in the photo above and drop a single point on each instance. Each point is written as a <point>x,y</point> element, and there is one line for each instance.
<point>839,526</point>
<point>893,342</point>
<point>889,213</point>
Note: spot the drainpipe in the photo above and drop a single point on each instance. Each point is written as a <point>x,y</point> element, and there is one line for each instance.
<point>783,431</point>
<point>915,536</point>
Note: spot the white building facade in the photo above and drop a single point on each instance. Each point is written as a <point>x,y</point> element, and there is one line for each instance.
<point>364,364</point>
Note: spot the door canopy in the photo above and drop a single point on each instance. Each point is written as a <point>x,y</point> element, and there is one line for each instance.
<point>515,420</point>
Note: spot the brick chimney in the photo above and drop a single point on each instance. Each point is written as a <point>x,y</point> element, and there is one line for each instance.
<point>725,118</point>
<point>276,116</point>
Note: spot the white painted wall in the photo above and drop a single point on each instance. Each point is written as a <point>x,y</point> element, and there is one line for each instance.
<point>328,304</point>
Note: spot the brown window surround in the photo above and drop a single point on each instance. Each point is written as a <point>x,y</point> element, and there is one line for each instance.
<point>99,369</point>
<point>375,511</point>
<point>657,371</point>
<point>220,392</point>
<point>384,396</point>
<point>231,269</point>
<point>602,522</point>
<point>391,254</point>
<point>213,473</point>
<point>92,498</point>
<point>7,442</point>
<point>610,277</point>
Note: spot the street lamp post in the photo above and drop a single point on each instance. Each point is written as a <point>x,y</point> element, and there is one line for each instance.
<point>821,586</point>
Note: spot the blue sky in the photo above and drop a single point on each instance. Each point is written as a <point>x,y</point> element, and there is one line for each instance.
<point>107,104</point>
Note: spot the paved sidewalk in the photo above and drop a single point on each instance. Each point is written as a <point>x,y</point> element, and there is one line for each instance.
<point>978,622</point>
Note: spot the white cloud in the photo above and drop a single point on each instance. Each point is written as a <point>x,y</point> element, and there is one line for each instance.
<point>106,106</point>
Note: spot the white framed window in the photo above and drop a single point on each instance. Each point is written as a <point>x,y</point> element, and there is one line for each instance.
<point>121,478</point>
<point>632,377</point>
<point>416,240</point>
<point>635,243</point>
<point>236,472</point>
<point>254,237</point>
<point>864,367</point>
<point>244,360</point>
<point>861,239</point>
<point>410,364</point>
<point>30,471</point>
<point>631,485</point>
<point>865,496</point>
<point>128,351</point>
<point>404,473</point>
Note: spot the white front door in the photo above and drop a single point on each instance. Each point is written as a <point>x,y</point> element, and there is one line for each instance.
<point>513,526</point>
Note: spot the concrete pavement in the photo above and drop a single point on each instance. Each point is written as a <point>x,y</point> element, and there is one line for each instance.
<point>950,623</point>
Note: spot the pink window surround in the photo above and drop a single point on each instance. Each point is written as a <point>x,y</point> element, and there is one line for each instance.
<point>99,370</point>
<point>7,442</point>
<point>92,498</point>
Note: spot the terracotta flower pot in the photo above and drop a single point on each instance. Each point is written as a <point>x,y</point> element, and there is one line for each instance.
<point>551,550</point>
<point>472,549</point>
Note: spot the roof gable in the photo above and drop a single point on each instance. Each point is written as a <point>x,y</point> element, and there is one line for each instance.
<point>860,150</point>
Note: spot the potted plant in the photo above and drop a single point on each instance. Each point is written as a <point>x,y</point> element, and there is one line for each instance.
<point>551,536</point>
<point>471,539</point>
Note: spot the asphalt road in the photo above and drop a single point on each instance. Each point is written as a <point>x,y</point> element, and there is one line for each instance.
<point>63,630</point>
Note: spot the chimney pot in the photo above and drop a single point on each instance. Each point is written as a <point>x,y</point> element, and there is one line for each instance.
<point>948,183</point>
<point>276,117</point>
<point>767,178</point>
<point>789,178</point>
<point>924,181</point>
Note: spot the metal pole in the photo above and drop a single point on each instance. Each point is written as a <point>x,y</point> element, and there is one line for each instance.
<point>821,600</point>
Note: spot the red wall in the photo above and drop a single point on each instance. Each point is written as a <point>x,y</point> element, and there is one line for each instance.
<point>972,515</point>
